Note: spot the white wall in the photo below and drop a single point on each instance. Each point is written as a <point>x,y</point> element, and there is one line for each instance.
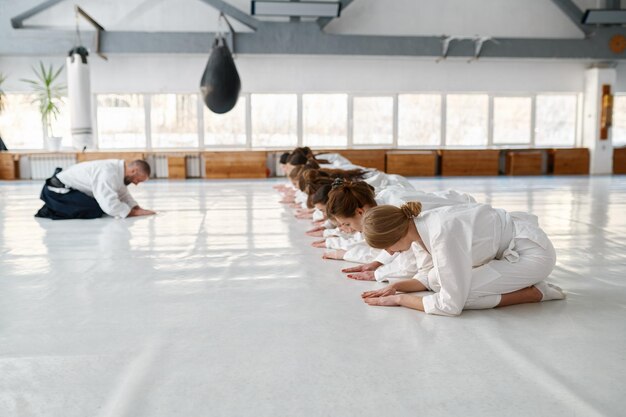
<point>124,73</point>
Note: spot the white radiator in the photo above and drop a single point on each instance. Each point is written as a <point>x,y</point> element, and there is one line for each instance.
<point>193,166</point>
<point>43,166</point>
<point>273,163</point>
<point>160,166</point>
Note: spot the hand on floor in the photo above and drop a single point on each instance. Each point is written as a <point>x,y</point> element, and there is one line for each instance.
<point>319,243</point>
<point>383,292</point>
<point>316,232</point>
<point>138,211</point>
<point>372,266</point>
<point>336,254</point>
<point>363,276</point>
<point>390,301</point>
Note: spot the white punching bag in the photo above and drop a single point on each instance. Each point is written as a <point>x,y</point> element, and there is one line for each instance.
<point>79,94</point>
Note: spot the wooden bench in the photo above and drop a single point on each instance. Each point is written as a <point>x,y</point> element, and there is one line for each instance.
<point>469,162</point>
<point>568,161</point>
<point>524,163</point>
<point>619,161</point>
<point>367,158</point>
<point>9,166</point>
<point>176,167</point>
<point>96,156</point>
<point>412,163</point>
<point>237,164</point>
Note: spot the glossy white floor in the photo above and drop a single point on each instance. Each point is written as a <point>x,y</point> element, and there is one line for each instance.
<point>218,306</point>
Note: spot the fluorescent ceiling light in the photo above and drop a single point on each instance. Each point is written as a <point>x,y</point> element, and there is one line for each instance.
<point>604,17</point>
<point>300,8</point>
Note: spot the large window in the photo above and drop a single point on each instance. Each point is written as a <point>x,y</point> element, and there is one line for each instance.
<point>20,122</point>
<point>467,119</point>
<point>419,119</point>
<point>619,121</point>
<point>121,121</point>
<point>325,120</point>
<point>555,120</point>
<point>372,120</point>
<point>228,128</point>
<point>512,120</point>
<point>274,120</point>
<point>174,120</point>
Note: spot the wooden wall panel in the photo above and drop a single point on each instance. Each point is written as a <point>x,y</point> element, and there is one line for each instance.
<point>569,161</point>
<point>524,162</point>
<point>412,163</point>
<point>241,164</point>
<point>95,156</point>
<point>619,161</point>
<point>469,162</point>
<point>176,167</point>
<point>9,166</point>
<point>368,158</point>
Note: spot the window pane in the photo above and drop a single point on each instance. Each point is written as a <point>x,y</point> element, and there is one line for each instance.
<point>373,120</point>
<point>20,122</point>
<point>555,120</point>
<point>419,119</point>
<point>511,119</point>
<point>619,121</point>
<point>274,120</point>
<point>121,121</point>
<point>61,125</point>
<point>174,120</point>
<point>228,128</point>
<point>467,119</point>
<point>325,119</point>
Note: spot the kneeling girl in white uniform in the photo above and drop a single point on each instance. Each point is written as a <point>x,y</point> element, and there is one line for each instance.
<point>471,256</point>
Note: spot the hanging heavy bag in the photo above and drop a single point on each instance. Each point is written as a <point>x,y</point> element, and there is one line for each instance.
<point>220,84</point>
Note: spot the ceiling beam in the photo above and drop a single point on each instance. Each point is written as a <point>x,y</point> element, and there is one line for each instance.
<point>234,12</point>
<point>323,21</point>
<point>613,4</point>
<point>307,39</point>
<point>571,10</point>
<point>17,22</point>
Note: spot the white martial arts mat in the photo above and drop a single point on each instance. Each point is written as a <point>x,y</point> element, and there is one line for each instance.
<point>219,306</point>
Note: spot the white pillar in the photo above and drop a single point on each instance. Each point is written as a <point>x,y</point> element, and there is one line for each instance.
<point>601,151</point>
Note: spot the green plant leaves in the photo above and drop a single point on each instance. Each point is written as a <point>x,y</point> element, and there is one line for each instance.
<point>48,93</point>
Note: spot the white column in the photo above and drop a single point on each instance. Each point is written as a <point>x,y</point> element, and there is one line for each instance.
<point>601,151</point>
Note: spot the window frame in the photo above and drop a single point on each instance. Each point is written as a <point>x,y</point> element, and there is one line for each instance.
<point>524,145</point>
<point>577,120</point>
<point>394,121</point>
<point>442,120</point>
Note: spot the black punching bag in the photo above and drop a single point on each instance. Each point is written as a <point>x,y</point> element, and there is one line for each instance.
<point>220,84</point>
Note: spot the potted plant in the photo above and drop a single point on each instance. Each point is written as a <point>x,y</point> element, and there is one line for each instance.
<point>48,95</point>
<point>3,78</point>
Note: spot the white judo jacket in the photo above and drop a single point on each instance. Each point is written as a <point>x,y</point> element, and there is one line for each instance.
<point>462,237</point>
<point>104,181</point>
<point>402,265</point>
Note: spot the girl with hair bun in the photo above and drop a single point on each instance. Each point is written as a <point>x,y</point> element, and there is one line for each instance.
<point>471,256</point>
<point>347,204</point>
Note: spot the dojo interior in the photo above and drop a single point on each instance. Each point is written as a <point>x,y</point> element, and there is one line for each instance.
<point>218,304</point>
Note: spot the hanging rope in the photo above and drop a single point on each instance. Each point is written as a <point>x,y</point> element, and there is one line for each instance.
<point>220,32</point>
<point>77,40</point>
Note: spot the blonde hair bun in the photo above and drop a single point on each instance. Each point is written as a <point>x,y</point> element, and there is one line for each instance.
<point>411,209</point>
